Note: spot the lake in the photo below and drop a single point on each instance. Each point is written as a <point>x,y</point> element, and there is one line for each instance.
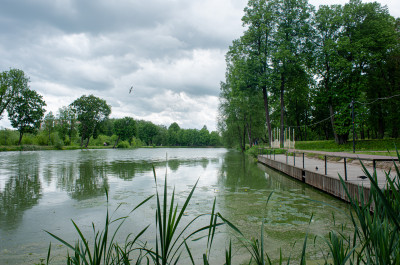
<point>45,190</point>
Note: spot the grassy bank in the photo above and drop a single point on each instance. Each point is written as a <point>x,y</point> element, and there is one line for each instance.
<point>46,147</point>
<point>361,145</point>
<point>77,147</point>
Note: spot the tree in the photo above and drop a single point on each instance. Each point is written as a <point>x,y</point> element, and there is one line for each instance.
<point>147,131</point>
<point>173,134</point>
<point>292,48</point>
<point>257,43</point>
<point>241,102</point>
<point>90,111</point>
<point>354,46</point>
<point>66,123</point>
<point>125,129</point>
<point>11,83</point>
<point>26,111</point>
<point>49,121</point>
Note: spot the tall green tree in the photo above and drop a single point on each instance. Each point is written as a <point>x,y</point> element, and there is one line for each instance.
<point>26,111</point>
<point>66,124</point>
<point>49,124</point>
<point>353,46</point>
<point>90,111</point>
<point>258,43</point>
<point>173,134</point>
<point>329,21</point>
<point>241,107</point>
<point>292,48</point>
<point>125,129</point>
<point>147,131</point>
<point>380,39</point>
<point>12,82</point>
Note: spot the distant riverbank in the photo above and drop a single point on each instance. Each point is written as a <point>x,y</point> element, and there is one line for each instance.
<point>75,147</point>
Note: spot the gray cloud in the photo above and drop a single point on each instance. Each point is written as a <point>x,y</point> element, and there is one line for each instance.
<point>171,51</point>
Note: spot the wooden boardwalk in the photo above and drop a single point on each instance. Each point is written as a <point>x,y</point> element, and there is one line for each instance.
<point>313,172</point>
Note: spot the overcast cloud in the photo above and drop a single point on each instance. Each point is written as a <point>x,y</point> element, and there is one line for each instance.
<point>170,51</point>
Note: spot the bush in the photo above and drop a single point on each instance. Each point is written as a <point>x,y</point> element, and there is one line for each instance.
<point>9,137</point>
<point>136,142</point>
<point>101,140</point>
<point>29,139</point>
<point>57,142</point>
<point>123,144</point>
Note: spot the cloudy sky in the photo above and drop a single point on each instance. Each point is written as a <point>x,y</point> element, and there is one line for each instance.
<point>170,51</point>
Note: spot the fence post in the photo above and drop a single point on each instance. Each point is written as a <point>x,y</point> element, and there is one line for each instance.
<point>326,167</point>
<point>286,158</point>
<point>294,159</point>
<point>345,170</point>
<point>274,154</point>
<point>374,164</point>
<point>303,160</point>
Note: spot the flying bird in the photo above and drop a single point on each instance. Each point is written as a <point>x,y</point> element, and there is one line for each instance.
<point>130,90</point>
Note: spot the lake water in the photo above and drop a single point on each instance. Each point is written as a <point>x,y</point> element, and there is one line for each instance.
<point>44,190</point>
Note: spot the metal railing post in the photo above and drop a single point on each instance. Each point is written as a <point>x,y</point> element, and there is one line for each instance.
<point>274,154</point>
<point>286,158</point>
<point>303,160</point>
<point>345,170</point>
<point>294,159</point>
<point>326,167</point>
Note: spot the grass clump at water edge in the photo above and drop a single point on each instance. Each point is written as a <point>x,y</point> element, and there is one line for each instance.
<point>375,239</point>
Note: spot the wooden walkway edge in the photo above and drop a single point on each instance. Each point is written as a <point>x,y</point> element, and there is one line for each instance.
<point>325,183</point>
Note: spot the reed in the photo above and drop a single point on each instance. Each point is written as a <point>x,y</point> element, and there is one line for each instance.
<point>104,249</point>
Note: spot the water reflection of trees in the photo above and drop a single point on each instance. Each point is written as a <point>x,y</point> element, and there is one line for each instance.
<point>174,164</point>
<point>127,170</point>
<point>87,179</point>
<point>21,192</point>
<point>238,171</point>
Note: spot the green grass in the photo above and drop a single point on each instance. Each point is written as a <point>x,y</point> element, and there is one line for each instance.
<point>361,145</point>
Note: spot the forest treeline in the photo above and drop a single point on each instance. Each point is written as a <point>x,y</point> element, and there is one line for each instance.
<point>307,69</point>
<point>82,123</point>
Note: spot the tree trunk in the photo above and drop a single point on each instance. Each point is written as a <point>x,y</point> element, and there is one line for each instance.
<point>20,137</point>
<point>267,118</point>
<point>116,142</point>
<point>333,123</point>
<point>240,140</point>
<point>249,134</point>
<point>87,142</point>
<point>342,138</point>
<point>362,133</point>
<point>244,139</point>
<point>282,109</point>
<point>381,124</point>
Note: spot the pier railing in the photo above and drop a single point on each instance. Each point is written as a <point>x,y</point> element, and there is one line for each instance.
<point>270,153</point>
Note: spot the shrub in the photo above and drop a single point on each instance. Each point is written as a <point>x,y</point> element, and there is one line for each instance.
<point>123,144</point>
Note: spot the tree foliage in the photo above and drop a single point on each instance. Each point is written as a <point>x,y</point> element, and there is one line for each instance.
<point>304,68</point>
<point>90,111</point>
<point>26,111</point>
<point>12,82</point>
<point>125,129</point>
